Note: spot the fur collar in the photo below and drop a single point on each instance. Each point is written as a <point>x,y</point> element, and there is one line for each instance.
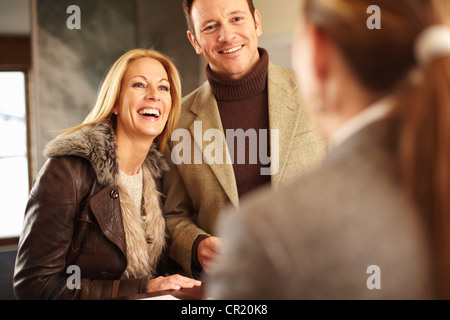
<point>97,144</point>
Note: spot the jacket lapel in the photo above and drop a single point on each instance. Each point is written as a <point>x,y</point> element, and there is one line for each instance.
<point>207,118</point>
<point>283,116</point>
<point>105,206</point>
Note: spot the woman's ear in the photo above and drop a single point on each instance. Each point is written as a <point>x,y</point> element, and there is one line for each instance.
<point>321,53</point>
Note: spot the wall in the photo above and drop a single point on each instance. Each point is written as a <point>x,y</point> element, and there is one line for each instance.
<point>162,24</point>
<point>278,16</point>
<point>7,259</point>
<point>69,64</point>
<point>278,20</point>
<point>15,17</point>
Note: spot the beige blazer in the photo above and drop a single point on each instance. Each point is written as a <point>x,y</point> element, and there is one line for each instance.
<point>196,193</point>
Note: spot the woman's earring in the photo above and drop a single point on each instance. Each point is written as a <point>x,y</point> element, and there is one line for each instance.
<point>116,113</point>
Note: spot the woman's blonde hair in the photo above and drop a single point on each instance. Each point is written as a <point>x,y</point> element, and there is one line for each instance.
<point>111,87</point>
<point>383,60</point>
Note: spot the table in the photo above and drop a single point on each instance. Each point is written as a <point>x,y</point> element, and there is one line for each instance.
<point>196,293</point>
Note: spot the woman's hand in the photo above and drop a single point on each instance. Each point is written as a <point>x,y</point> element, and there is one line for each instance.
<point>174,282</point>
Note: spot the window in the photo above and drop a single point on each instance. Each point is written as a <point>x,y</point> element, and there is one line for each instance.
<point>14,182</point>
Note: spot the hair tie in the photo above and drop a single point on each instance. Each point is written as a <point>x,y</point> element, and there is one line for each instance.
<point>432,43</point>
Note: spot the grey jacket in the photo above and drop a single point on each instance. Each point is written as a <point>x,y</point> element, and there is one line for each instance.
<point>344,231</point>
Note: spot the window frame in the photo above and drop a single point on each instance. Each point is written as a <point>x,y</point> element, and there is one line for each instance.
<point>17,58</point>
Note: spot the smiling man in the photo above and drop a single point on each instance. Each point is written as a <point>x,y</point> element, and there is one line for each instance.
<point>227,36</point>
<point>245,92</point>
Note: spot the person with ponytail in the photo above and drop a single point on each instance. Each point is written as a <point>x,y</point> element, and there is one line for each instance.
<point>373,222</point>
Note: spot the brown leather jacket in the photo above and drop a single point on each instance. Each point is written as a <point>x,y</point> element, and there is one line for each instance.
<point>73,217</point>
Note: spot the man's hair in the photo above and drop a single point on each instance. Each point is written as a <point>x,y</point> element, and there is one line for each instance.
<point>187,8</point>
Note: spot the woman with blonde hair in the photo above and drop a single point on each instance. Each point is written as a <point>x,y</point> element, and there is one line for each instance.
<point>95,206</point>
<point>373,222</point>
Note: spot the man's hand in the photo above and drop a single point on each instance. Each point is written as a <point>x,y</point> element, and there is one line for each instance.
<point>207,251</point>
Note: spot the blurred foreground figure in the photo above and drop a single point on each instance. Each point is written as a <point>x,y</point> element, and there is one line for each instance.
<point>373,222</point>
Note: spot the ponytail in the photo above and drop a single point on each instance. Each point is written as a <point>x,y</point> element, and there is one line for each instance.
<point>424,150</point>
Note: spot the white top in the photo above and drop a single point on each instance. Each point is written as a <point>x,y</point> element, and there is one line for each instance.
<point>373,113</point>
<point>134,187</point>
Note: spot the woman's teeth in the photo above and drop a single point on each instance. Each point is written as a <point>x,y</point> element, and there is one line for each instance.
<point>150,112</point>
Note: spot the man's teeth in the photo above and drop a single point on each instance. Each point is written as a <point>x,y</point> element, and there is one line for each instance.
<point>149,112</point>
<point>232,50</point>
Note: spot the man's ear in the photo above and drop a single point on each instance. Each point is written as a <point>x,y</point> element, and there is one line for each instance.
<point>194,43</point>
<point>258,22</point>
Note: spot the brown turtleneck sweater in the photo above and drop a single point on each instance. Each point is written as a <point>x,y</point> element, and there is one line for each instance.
<point>243,104</point>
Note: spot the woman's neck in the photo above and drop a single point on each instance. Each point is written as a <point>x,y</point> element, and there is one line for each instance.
<point>131,154</point>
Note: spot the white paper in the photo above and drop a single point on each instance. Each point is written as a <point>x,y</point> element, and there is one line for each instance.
<point>165,297</point>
